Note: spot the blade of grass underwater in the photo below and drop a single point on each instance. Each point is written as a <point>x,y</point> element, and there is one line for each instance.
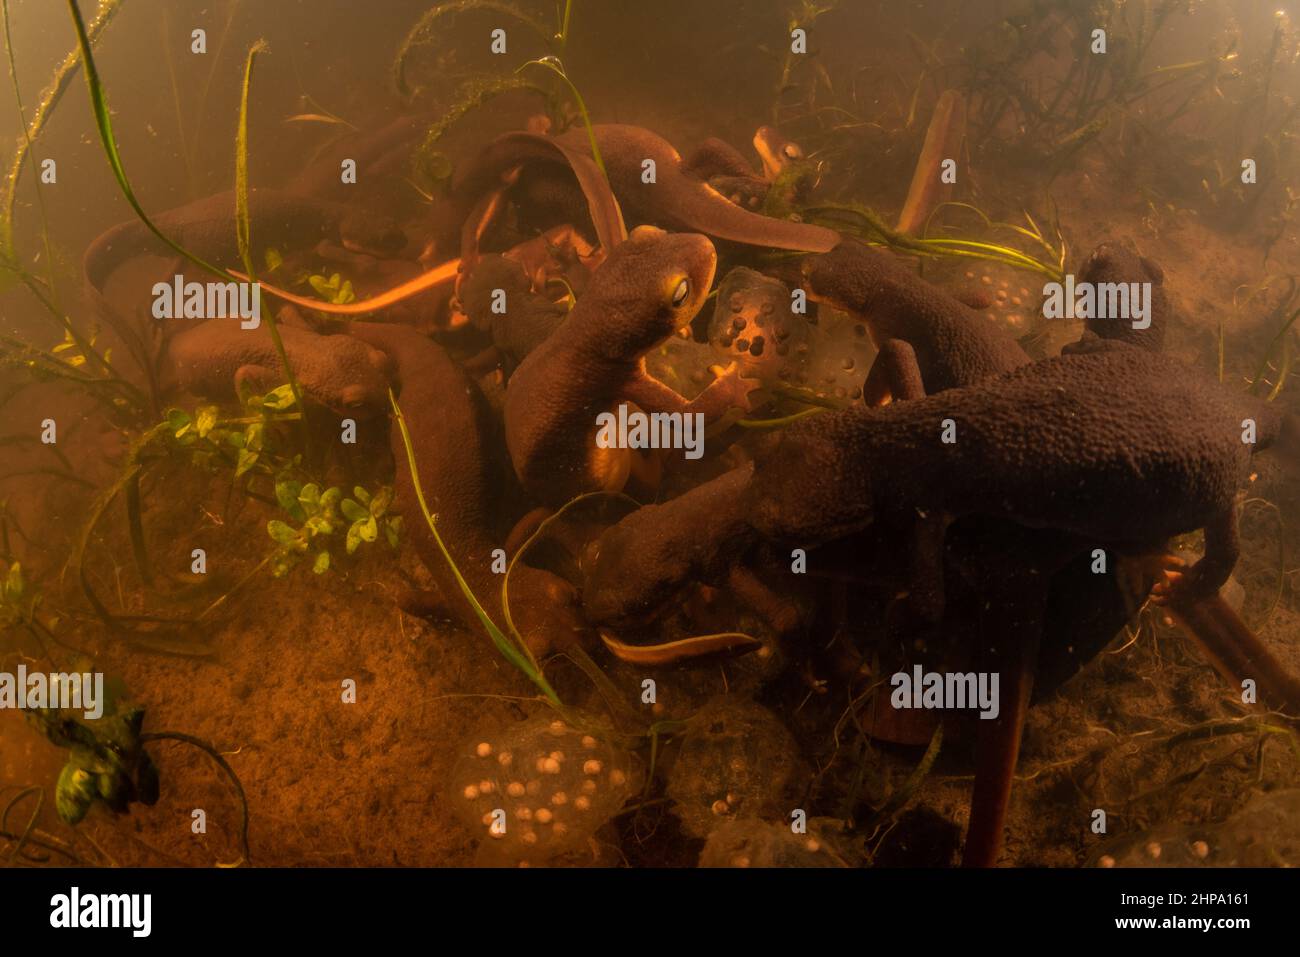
<point>8,255</point>
<point>53,94</point>
<point>104,124</point>
<point>503,644</point>
<point>555,66</point>
<point>1268,353</point>
<point>421,33</point>
<point>243,231</point>
<point>528,543</point>
<point>27,145</point>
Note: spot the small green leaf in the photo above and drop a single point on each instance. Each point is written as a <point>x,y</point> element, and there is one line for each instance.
<point>74,793</point>
<point>369,529</point>
<point>319,524</point>
<point>279,399</point>
<point>206,419</point>
<point>352,511</point>
<point>354,537</point>
<point>280,531</point>
<point>361,495</point>
<point>322,563</point>
<point>246,461</point>
<point>320,286</point>
<point>13,590</point>
<point>273,260</point>
<point>391,528</point>
<point>380,501</point>
<point>178,420</point>
<point>286,493</point>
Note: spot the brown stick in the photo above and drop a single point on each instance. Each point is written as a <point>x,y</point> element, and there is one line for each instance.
<point>943,141</point>
<point>995,765</point>
<point>1236,652</point>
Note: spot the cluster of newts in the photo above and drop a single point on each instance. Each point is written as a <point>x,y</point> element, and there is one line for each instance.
<point>981,483</point>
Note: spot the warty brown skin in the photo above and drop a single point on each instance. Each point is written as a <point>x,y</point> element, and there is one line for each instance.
<point>453,437</point>
<point>954,345</point>
<point>206,227</point>
<point>595,359</point>
<point>220,360</point>
<point>676,200</point>
<point>1117,445</point>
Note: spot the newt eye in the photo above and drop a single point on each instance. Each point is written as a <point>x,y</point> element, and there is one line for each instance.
<point>681,292</point>
<point>792,152</point>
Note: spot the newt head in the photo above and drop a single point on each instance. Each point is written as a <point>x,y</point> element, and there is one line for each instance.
<point>361,231</point>
<point>775,151</point>
<point>649,288</point>
<point>844,274</point>
<point>1115,262</point>
<point>354,377</point>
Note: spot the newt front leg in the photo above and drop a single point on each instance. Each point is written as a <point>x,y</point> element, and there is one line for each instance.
<point>730,390</point>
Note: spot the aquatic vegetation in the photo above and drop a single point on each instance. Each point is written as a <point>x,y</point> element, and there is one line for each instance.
<point>97,374</point>
<point>1278,355</point>
<point>241,218</point>
<point>321,516</point>
<point>553,64</point>
<point>104,125</point>
<point>108,763</point>
<point>334,290</point>
<point>423,33</point>
<point>429,165</point>
<point>511,647</point>
<point>867,224</point>
<point>63,78</point>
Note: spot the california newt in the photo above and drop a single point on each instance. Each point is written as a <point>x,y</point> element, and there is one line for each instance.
<point>675,200</point>
<point>641,562</point>
<point>1115,445</point>
<point>206,228</point>
<point>1115,263</point>
<point>721,165</point>
<point>928,340</point>
<point>219,360</point>
<point>452,433</point>
<point>528,318</point>
<point>650,287</point>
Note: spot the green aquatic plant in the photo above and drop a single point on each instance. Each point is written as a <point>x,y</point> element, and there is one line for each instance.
<point>62,79</point>
<point>802,14</point>
<point>863,222</point>
<point>242,228</point>
<point>553,64</point>
<point>107,763</point>
<point>333,290</point>
<point>430,165</point>
<point>320,516</point>
<point>104,126</point>
<point>423,32</point>
<point>75,360</point>
<point>95,370</point>
<point>209,440</point>
<point>512,648</point>
<point>17,606</point>
<point>1278,353</point>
